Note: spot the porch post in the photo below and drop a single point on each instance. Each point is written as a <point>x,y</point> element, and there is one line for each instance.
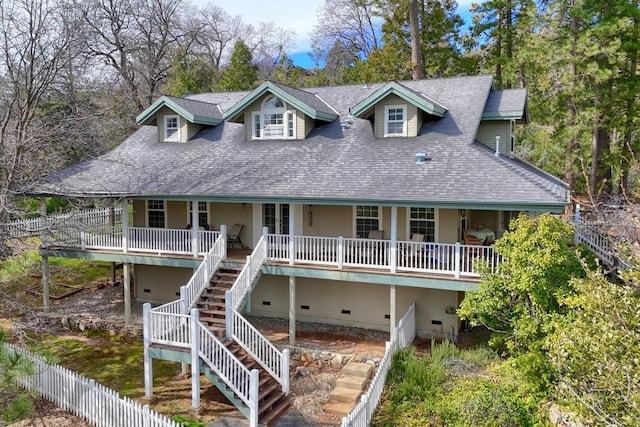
<point>292,310</point>
<point>112,223</point>
<point>148,361</point>
<point>195,360</point>
<point>576,224</point>
<point>394,237</point>
<point>45,258</point>
<point>457,260</point>
<point>195,226</point>
<point>292,233</point>
<point>126,272</point>
<point>223,232</point>
<point>125,226</point>
<point>392,311</point>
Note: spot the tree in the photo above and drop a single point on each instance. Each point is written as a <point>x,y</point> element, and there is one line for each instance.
<point>350,23</point>
<point>191,74</point>
<point>519,301</point>
<point>135,38</point>
<point>595,348</point>
<point>36,44</point>
<point>242,73</point>
<point>16,404</point>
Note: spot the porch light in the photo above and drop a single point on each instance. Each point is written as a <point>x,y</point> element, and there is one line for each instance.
<point>420,158</point>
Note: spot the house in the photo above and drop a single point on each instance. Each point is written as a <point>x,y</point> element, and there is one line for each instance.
<point>357,200</point>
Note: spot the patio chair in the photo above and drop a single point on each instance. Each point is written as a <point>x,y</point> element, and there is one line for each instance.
<point>233,235</point>
<point>375,234</point>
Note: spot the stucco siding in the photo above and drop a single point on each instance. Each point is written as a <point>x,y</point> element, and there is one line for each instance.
<point>448,225</point>
<point>363,305</point>
<point>330,221</point>
<point>341,303</point>
<point>159,284</point>
<point>431,306</point>
<point>233,213</point>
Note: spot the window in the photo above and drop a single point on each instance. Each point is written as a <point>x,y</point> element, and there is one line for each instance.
<point>275,216</point>
<point>155,213</point>
<point>172,128</point>
<point>203,214</point>
<point>367,219</point>
<point>395,120</point>
<point>269,123</point>
<point>423,221</point>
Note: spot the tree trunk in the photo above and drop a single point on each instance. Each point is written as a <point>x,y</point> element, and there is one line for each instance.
<point>416,54</point>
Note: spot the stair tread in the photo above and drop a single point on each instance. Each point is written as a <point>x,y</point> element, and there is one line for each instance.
<point>264,391</point>
<point>276,412</point>
<point>267,404</point>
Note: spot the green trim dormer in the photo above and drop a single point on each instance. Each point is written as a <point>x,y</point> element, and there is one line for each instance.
<point>364,108</point>
<point>305,102</point>
<point>196,112</point>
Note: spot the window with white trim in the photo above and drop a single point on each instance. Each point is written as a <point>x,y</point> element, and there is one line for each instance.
<point>155,214</point>
<point>395,120</point>
<point>274,121</point>
<point>367,219</point>
<point>203,214</point>
<point>172,128</point>
<point>423,221</point>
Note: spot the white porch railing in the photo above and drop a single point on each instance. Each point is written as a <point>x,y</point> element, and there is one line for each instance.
<point>239,329</point>
<point>402,336</point>
<point>168,323</point>
<point>91,401</point>
<point>439,258</point>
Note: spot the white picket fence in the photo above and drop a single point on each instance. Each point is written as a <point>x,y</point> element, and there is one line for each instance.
<point>405,332</point>
<point>99,217</point>
<point>91,401</point>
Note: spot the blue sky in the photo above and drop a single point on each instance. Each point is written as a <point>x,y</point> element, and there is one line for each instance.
<point>299,16</point>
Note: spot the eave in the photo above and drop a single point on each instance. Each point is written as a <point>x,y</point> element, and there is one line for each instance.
<point>420,100</point>
<point>234,113</point>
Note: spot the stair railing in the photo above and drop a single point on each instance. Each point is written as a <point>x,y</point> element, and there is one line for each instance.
<point>242,381</point>
<point>239,329</point>
<point>190,292</point>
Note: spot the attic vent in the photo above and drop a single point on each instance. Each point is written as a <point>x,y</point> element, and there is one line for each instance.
<point>420,158</point>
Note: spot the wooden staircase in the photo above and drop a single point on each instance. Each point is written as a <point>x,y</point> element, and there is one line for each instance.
<point>272,401</point>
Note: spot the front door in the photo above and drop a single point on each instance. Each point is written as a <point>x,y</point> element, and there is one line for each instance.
<point>276,217</point>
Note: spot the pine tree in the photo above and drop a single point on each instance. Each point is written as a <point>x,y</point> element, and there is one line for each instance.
<point>241,74</point>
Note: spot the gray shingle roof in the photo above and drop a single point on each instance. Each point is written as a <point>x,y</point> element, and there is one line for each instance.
<point>332,164</point>
<point>198,108</point>
<point>509,103</point>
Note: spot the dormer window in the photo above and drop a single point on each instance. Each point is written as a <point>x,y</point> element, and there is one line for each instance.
<point>171,128</point>
<point>395,120</point>
<point>274,121</point>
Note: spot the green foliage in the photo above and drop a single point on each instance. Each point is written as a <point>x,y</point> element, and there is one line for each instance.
<point>191,74</point>
<point>241,74</point>
<point>15,404</point>
<point>18,266</point>
<point>455,387</point>
<point>521,298</point>
<point>596,349</point>
<point>498,397</point>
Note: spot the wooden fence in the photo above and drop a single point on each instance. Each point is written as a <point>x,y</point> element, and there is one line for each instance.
<point>91,401</point>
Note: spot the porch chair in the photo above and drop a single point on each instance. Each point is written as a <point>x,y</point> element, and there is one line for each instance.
<point>375,234</point>
<point>471,240</point>
<point>233,235</point>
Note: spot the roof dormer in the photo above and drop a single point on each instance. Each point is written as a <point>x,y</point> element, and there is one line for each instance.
<point>397,111</point>
<point>178,119</point>
<point>275,111</point>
